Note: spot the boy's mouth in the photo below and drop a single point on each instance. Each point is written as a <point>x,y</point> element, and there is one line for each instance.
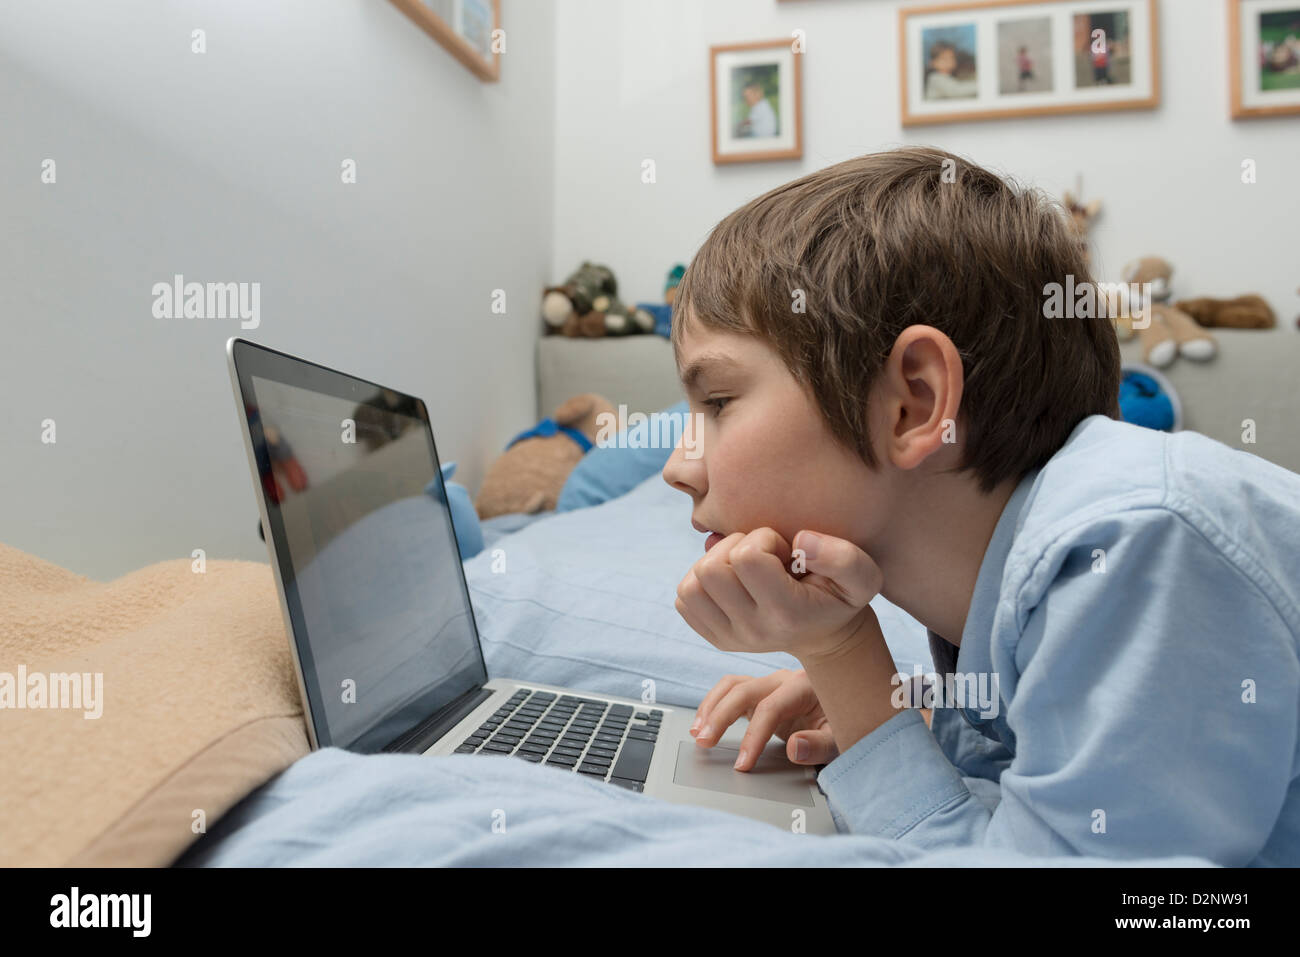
<point>714,537</point>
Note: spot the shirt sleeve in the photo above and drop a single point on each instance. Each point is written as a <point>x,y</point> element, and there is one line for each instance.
<point>1153,705</point>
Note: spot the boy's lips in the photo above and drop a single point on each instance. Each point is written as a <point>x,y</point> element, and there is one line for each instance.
<point>714,537</point>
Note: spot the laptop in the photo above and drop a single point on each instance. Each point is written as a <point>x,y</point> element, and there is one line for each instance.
<point>381,628</point>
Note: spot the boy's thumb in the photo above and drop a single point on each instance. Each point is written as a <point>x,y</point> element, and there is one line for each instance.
<point>849,570</point>
<point>812,747</point>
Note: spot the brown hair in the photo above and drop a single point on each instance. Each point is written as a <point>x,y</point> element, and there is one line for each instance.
<point>883,242</point>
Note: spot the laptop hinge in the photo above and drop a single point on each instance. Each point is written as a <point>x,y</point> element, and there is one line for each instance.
<point>427,733</point>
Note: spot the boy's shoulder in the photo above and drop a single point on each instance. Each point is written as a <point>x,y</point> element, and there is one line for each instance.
<point>1117,484</point>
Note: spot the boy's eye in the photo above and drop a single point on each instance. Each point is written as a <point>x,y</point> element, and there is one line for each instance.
<point>717,402</point>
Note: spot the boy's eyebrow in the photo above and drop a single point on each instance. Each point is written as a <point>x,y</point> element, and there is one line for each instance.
<point>707,363</point>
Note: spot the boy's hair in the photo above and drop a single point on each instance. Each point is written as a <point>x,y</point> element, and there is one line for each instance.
<point>941,46</point>
<point>882,242</point>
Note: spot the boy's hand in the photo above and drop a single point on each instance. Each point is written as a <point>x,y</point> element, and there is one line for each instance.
<point>781,704</point>
<point>743,595</point>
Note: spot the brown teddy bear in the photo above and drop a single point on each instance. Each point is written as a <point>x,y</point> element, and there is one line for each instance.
<point>529,474</point>
<point>1171,332</point>
<point>1244,312</point>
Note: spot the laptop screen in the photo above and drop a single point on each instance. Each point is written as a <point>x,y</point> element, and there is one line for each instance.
<point>381,615</point>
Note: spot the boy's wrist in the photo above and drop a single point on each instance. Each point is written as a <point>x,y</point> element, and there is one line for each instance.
<point>864,628</point>
<point>852,679</point>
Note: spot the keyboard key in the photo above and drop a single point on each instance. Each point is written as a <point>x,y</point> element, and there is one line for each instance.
<point>623,710</point>
<point>635,735</point>
<point>597,760</point>
<point>630,785</point>
<point>656,713</point>
<point>563,760</point>
<point>466,749</point>
<point>641,715</point>
<point>529,756</point>
<point>497,748</point>
<point>535,747</point>
<point>601,752</point>
<point>594,770</point>
<point>634,760</point>
<point>511,739</point>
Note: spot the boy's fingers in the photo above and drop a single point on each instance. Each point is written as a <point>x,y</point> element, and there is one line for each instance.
<point>725,684</point>
<point>695,605</point>
<point>841,567</point>
<point>718,578</point>
<point>690,618</point>
<point>788,700</point>
<point>740,699</point>
<point>818,747</point>
<point>763,573</point>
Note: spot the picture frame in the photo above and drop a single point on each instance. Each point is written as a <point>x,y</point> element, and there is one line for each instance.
<point>994,59</point>
<point>465,28</point>
<point>1264,57</point>
<point>756,101</point>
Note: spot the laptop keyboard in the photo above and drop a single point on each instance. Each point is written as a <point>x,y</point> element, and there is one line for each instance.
<point>612,742</point>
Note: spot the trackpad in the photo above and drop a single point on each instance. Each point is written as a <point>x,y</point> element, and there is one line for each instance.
<point>773,777</point>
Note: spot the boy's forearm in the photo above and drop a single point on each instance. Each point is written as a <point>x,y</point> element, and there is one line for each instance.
<point>855,684</point>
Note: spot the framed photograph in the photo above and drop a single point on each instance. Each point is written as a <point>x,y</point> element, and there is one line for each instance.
<point>1264,57</point>
<point>465,28</point>
<point>755,98</point>
<point>990,59</point>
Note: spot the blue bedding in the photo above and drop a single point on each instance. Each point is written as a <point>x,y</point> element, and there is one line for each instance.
<point>584,599</point>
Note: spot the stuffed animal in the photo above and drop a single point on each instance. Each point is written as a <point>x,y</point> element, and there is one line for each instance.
<point>1082,216</point>
<point>529,474</point>
<point>587,304</point>
<point>1244,312</point>
<point>1170,332</point>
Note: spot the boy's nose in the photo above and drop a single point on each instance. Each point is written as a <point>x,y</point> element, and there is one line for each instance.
<point>677,472</point>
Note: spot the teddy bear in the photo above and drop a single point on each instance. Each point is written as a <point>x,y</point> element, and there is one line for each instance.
<point>587,305</point>
<point>1243,312</point>
<point>529,475</point>
<point>1170,332</point>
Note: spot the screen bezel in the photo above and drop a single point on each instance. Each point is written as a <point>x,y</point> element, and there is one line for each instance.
<point>249,359</point>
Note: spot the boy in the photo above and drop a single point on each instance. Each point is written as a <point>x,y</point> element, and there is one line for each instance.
<point>941,82</point>
<point>884,409</point>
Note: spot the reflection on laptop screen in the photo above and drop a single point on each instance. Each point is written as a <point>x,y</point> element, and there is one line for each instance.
<point>375,585</point>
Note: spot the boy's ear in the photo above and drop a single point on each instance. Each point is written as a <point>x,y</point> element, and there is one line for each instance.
<point>924,382</point>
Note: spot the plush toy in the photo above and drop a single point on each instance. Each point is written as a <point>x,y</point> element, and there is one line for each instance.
<point>529,474</point>
<point>587,304</point>
<point>1244,312</point>
<point>1170,332</point>
<point>1082,216</point>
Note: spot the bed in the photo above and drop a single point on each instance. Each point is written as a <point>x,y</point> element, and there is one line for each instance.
<point>575,606</point>
<point>201,756</point>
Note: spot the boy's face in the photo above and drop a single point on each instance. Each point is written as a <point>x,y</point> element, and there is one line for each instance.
<point>766,457</point>
<point>752,95</point>
<point>944,60</point>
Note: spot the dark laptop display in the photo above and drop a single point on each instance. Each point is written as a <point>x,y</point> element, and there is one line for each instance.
<point>383,625</point>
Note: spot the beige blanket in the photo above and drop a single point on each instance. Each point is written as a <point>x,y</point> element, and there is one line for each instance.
<point>199,706</point>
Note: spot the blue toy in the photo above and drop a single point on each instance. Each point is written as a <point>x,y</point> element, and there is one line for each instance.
<point>1148,399</point>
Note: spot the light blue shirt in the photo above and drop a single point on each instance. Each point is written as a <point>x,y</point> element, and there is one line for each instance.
<point>1139,606</point>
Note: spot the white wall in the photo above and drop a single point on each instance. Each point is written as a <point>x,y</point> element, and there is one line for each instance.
<point>634,84</point>
<point>226,167</point>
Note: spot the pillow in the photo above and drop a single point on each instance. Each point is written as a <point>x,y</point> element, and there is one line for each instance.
<point>625,461</point>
